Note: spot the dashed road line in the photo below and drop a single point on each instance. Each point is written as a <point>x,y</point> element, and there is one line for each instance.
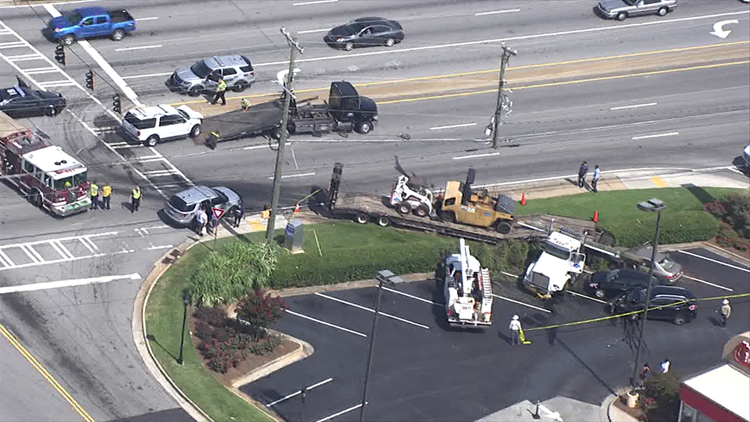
<point>453,126</point>
<point>298,392</point>
<point>632,106</point>
<point>289,176</point>
<point>335,415</point>
<point>328,324</point>
<point>67,283</point>
<point>708,283</point>
<point>312,31</point>
<point>657,135</point>
<point>305,3</point>
<point>497,12</point>
<point>714,261</point>
<point>489,154</point>
<point>412,296</point>
<point>364,308</point>
<point>153,18</point>
<point>522,303</point>
<point>143,47</point>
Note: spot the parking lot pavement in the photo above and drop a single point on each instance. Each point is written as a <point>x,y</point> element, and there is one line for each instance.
<point>712,274</point>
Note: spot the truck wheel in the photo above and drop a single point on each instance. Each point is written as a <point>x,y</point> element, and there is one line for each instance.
<point>152,140</point>
<point>503,227</point>
<point>383,221</point>
<point>195,91</point>
<point>36,198</point>
<point>118,35</point>
<point>362,218</point>
<point>195,131</point>
<point>423,211</point>
<point>403,208</point>
<point>621,16</point>
<point>448,216</point>
<point>364,127</point>
<point>68,40</point>
<point>241,86</point>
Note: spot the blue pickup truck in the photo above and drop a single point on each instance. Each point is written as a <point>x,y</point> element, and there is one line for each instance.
<point>90,22</point>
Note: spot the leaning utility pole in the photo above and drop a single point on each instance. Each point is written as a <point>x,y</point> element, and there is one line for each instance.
<point>294,46</point>
<point>502,100</point>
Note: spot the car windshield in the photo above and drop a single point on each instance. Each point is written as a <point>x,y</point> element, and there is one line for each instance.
<point>557,252</point>
<point>74,181</point>
<point>177,203</point>
<point>223,197</point>
<point>667,263</point>
<point>200,69</point>
<point>73,18</point>
<point>629,2</point>
<point>184,114</point>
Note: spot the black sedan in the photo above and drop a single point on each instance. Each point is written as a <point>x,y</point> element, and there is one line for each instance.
<point>670,303</point>
<point>612,283</point>
<point>22,101</point>
<point>365,32</point>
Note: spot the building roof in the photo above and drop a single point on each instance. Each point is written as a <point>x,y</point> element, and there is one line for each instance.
<point>54,161</point>
<point>726,386</point>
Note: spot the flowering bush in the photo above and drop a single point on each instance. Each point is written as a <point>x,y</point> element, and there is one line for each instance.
<point>260,310</point>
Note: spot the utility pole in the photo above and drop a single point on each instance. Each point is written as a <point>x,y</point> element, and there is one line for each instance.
<point>294,47</point>
<point>502,100</point>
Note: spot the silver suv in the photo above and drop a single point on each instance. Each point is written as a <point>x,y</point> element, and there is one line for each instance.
<point>237,72</point>
<point>621,9</point>
<point>182,207</point>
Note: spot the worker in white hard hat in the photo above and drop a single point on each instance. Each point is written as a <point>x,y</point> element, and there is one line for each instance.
<point>725,311</point>
<point>515,330</point>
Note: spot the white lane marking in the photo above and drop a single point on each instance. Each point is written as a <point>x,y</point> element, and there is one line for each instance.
<point>132,96</point>
<point>41,71</point>
<point>27,4</point>
<point>150,75</point>
<point>83,241</point>
<point>153,18</point>
<point>53,84</point>
<point>153,248</point>
<point>713,260</point>
<point>521,303</point>
<point>65,254</point>
<point>144,47</point>
<point>305,3</point>
<point>67,283</point>
<point>7,263</point>
<point>11,44</point>
<point>312,31</point>
<point>489,154</point>
<point>93,245</point>
<point>633,106</point>
<point>412,296</point>
<point>587,297</point>
<point>166,172</point>
<point>497,12</point>
<point>288,176</point>
<point>326,323</point>
<point>341,412</point>
<point>453,126</point>
<point>658,135</point>
<point>265,146</point>
<point>372,310</point>
<point>496,40</point>
<point>326,381</point>
<point>29,254</point>
<point>708,283</point>
<point>294,157</point>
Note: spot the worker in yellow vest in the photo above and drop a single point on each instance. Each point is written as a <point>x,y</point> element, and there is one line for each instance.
<point>135,199</point>
<point>94,193</point>
<point>221,89</point>
<point>106,196</point>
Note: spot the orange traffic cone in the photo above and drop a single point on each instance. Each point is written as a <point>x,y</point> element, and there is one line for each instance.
<point>596,216</point>
<point>523,198</point>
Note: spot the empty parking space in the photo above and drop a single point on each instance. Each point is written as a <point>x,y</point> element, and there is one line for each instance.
<point>710,274</point>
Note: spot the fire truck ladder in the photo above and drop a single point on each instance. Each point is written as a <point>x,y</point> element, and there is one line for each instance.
<point>484,278</point>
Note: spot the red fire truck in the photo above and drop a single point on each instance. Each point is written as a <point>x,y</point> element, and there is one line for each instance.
<point>50,178</point>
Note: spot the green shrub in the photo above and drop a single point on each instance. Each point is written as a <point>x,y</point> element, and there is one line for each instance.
<point>661,397</point>
<point>260,310</point>
<point>678,227</point>
<point>230,273</point>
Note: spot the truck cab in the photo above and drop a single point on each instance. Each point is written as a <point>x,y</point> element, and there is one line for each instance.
<point>90,22</point>
<point>351,111</point>
<point>560,261</point>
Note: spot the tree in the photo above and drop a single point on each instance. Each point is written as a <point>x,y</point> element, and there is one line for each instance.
<point>660,399</point>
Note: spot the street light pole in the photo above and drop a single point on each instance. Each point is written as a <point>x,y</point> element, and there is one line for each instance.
<point>185,303</point>
<point>389,278</point>
<point>653,205</point>
<point>294,46</point>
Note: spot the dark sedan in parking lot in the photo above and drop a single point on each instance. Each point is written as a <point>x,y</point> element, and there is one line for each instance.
<point>365,32</point>
<point>612,283</point>
<point>668,303</point>
<point>22,101</point>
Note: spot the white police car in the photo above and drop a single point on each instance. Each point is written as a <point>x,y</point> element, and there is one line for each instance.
<point>151,125</point>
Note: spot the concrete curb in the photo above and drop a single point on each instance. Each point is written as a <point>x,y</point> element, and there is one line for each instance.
<point>299,291</point>
<point>304,349</point>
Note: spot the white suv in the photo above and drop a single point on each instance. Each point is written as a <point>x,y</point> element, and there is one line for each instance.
<point>151,125</point>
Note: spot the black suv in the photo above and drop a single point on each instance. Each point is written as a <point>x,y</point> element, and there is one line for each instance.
<point>669,303</point>
<point>612,283</point>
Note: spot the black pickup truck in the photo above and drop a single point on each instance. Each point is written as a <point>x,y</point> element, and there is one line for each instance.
<point>345,111</point>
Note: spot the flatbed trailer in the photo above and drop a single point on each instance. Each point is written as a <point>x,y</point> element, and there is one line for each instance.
<point>259,119</point>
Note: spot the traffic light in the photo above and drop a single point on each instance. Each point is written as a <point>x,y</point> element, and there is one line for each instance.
<point>60,54</point>
<point>116,106</point>
<point>90,80</point>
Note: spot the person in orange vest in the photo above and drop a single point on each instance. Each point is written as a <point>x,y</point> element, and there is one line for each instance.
<point>135,199</point>
<point>106,196</point>
<point>94,193</point>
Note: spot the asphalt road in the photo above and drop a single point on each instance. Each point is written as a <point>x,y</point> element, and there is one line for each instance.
<point>691,89</point>
<point>425,370</point>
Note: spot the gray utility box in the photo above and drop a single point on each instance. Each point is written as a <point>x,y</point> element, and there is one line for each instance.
<point>294,236</point>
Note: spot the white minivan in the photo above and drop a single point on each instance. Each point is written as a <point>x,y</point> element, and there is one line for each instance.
<point>152,125</point>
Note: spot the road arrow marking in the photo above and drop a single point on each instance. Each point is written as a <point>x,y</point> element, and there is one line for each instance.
<point>719,31</point>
